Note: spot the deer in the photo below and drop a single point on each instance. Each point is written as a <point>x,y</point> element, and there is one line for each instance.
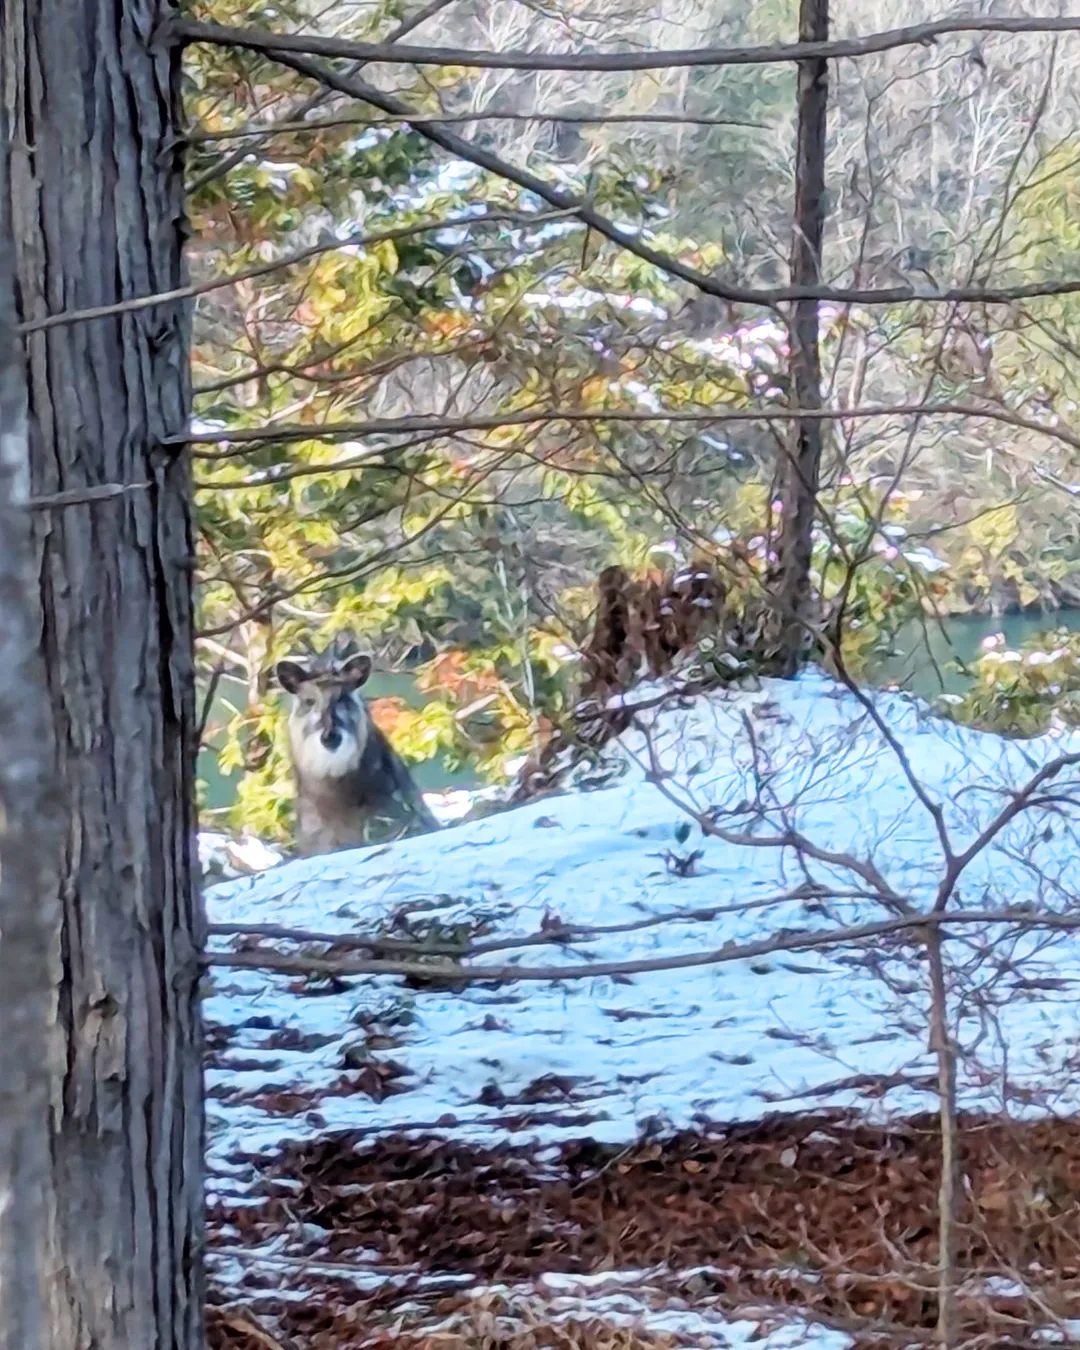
<point>352,788</point>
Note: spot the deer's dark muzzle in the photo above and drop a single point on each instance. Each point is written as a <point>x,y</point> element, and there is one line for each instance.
<point>331,738</point>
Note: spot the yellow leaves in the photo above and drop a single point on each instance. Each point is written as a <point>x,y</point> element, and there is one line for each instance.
<point>342,296</point>
<point>352,322</point>
<point>751,503</point>
<point>447,323</point>
<point>710,256</point>
<point>1026,593</point>
<point>302,177</point>
<point>320,534</point>
<point>330,297</point>
<point>375,608</point>
<point>1052,199</point>
<point>595,392</point>
<point>995,531</point>
<point>386,255</point>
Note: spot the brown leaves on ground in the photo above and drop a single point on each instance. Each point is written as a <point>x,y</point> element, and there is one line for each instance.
<point>485,1324</point>
<point>833,1219</point>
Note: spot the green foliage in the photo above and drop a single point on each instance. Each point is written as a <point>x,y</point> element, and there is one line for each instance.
<point>1024,692</point>
<point>467,557</point>
<point>872,582</point>
<point>257,741</point>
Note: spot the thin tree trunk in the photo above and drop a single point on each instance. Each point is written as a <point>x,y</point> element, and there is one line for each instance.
<point>95,195</point>
<point>29,835</point>
<point>800,469</point>
<point>942,1046</point>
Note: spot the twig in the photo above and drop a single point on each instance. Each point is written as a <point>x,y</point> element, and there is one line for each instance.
<point>455,973</point>
<point>391,426</point>
<point>449,119</point>
<point>942,1046</point>
<point>247,1324</point>
<point>631,239</point>
<point>933,808</point>
<point>788,839</point>
<point>404,28</point>
<point>558,934</point>
<point>1022,799</point>
<point>104,492</point>
<point>208,701</point>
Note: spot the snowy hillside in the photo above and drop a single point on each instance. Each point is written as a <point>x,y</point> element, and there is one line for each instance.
<point>613,1057</point>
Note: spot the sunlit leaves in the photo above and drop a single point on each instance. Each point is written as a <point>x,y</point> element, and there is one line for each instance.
<point>479,546</point>
<point>1024,691</point>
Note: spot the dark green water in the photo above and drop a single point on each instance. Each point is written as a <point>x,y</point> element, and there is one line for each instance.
<point>929,660</point>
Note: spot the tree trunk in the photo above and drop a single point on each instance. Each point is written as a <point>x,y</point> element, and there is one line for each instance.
<point>800,467</point>
<point>29,906</point>
<point>95,196</point>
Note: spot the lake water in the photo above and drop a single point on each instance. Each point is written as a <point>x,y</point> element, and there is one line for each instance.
<point>929,660</point>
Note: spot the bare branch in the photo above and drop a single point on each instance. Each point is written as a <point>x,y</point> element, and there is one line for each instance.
<point>555,934</point>
<point>1022,799</point>
<point>403,29</point>
<point>785,942</point>
<point>103,492</point>
<point>942,1046</point>
<point>359,240</point>
<point>389,53</point>
<point>789,838</point>
<point>449,119</point>
<point>866,701</point>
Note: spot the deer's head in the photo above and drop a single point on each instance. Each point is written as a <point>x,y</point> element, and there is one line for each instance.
<point>328,721</point>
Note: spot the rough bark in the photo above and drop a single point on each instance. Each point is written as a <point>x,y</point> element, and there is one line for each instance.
<point>28,882</point>
<point>801,465</point>
<point>95,196</point>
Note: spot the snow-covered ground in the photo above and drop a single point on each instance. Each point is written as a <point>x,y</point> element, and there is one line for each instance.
<point>614,1056</point>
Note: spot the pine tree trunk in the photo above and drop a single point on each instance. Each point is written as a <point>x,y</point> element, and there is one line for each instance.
<point>95,197</point>
<point>789,583</point>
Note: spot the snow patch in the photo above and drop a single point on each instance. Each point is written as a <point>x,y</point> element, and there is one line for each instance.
<point>612,1056</point>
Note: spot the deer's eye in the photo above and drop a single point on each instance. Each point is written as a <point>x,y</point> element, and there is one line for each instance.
<point>306,704</point>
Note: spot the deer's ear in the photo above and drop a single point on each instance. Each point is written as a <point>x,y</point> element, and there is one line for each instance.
<point>291,676</point>
<point>356,671</point>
